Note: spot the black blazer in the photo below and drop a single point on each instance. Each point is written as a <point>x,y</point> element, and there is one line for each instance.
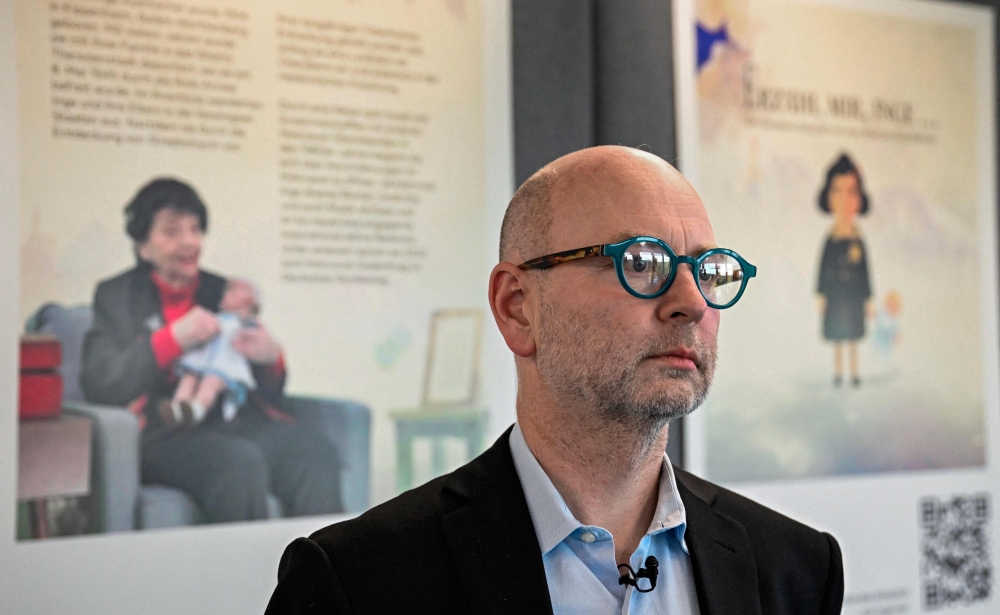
<point>464,543</point>
<point>118,362</point>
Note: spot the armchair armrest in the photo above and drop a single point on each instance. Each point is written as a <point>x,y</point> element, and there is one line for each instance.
<point>114,463</point>
<point>348,425</point>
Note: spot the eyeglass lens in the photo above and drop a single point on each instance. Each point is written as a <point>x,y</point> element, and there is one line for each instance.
<point>646,267</point>
<point>720,278</point>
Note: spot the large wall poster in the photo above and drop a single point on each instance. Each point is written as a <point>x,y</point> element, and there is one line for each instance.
<point>859,301</point>
<point>340,150</point>
<point>847,151</point>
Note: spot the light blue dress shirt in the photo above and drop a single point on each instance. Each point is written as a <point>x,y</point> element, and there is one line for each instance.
<point>579,560</point>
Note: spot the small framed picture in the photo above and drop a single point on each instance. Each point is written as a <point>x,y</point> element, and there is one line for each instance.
<point>453,358</point>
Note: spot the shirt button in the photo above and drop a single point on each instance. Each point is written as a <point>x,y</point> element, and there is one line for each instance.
<point>587,537</point>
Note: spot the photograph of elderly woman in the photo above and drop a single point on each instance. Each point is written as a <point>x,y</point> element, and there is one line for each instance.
<point>229,274</point>
<point>187,353</point>
<point>147,322</point>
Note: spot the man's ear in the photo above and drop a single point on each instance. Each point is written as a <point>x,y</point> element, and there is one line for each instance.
<point>141,249</point>
<point>510,308</point>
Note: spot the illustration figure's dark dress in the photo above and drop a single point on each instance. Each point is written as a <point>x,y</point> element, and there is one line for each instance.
<point>843,280</point>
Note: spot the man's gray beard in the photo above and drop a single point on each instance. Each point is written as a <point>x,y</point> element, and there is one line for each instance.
<point>591,363</point>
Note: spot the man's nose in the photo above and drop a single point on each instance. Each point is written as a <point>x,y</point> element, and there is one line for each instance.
<point>683,301</point>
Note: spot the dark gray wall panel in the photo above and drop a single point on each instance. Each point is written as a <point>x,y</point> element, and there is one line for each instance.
<point>634,75</point>
<point>553,81</point>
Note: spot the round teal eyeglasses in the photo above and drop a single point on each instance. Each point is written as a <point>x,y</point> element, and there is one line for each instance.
<point>647,267</point>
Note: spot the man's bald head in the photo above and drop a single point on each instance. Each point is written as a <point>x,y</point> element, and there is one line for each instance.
<point>586,174</point>
<point>526,222</point>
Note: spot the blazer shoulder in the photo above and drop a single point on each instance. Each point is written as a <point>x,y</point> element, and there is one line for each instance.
<point>420,542</point>
<point>119,282</point>
<point>404,540</point>
<point>412,520</point>
<point>307,583</point>
<point>783,549</point>
<point>764,525</point>
<point>122,289</point>
<point>403,519</point>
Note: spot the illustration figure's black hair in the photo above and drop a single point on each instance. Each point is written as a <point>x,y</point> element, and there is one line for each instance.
<point>843,166</point>
<point>159,194</point>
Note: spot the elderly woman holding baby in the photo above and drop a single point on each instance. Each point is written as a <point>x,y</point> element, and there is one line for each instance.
<point>207,386</point>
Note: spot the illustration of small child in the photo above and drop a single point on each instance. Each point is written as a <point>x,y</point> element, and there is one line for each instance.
<point>885,335</point>
<point>216,368</point>
<point>844,285</point>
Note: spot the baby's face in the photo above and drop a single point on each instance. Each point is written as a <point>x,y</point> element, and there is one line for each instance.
<point>240,299</point>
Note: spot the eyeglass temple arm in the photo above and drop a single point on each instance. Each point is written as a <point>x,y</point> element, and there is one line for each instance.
<point>551,260</point>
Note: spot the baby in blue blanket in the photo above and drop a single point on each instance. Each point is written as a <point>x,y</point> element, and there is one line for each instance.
<point>217,369</point>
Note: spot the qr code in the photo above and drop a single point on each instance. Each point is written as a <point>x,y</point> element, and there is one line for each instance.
<point>956,565</point>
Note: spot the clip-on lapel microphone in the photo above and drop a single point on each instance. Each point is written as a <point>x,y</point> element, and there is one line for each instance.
<point>632,577</point>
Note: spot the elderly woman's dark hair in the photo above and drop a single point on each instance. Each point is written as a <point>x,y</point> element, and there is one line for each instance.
<point>843,166</point>
<point>159,194</point>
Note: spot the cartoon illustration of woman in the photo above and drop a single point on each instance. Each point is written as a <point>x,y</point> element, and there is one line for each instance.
<point>844,288</point>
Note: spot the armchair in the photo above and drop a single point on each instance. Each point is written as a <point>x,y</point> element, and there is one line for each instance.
<point>120,502</point>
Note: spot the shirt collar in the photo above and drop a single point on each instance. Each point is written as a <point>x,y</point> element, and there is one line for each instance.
<point>553,520</point>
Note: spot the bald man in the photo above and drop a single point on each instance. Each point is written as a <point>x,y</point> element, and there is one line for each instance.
<point>609,292</point>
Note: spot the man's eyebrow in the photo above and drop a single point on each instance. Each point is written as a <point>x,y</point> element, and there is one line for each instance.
<point>704,248</point>
<point>620,237</point>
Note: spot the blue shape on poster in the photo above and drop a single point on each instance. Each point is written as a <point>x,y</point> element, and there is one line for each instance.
<point>707,39</point>
<point>388,351</point>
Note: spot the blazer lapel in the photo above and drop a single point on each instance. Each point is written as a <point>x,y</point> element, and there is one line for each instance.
<point>145,302</point>
<point>724,570</point>
<point>492,538</point>
<point>209,291</point>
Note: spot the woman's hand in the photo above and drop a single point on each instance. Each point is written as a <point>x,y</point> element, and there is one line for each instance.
<point>257,345</point>
<point>821,303</point>
<point>195,328</point>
